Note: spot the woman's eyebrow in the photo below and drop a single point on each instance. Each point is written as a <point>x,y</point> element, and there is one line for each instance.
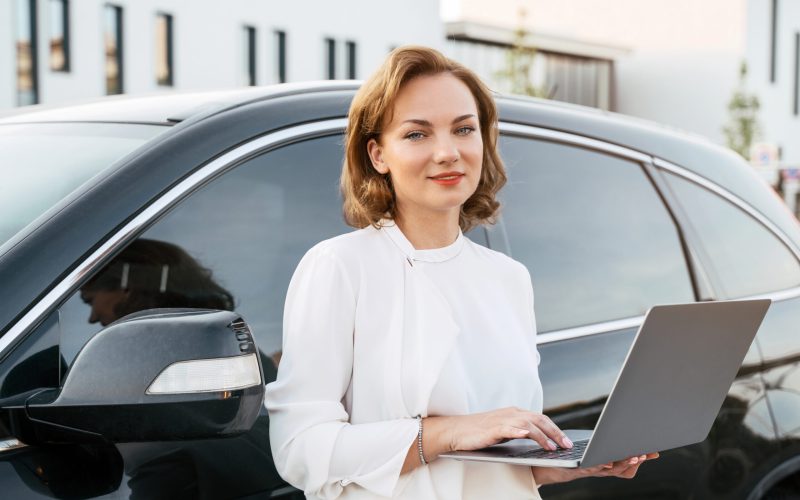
<point>426,123</point>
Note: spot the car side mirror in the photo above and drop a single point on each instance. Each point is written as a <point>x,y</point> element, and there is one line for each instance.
<point>155,375</point>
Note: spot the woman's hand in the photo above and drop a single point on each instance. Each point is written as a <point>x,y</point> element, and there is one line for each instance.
<point>479,430</point>
<point>625,469</point>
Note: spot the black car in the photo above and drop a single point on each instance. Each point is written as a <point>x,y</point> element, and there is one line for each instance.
<point>131,229</point>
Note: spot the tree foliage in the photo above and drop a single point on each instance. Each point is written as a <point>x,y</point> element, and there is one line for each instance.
<point>520,58</point>
<point>742,128</point>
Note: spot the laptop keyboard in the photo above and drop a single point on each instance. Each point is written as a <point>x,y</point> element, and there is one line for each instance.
<point>574,453</point>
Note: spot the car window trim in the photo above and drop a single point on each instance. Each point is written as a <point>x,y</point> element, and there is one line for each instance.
<point>573,139</point>
<point>529,131</point>
<point>636,321</point>
<point>158,207</point>
<point>731,198</point>
<point>596,144</point>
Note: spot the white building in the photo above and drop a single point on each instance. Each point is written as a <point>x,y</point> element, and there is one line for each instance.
<point>53,51</point>
<point>773,57</point>
<point>671,61</point>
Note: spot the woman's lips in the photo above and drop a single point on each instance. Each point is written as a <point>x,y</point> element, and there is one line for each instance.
<point>447,178</point>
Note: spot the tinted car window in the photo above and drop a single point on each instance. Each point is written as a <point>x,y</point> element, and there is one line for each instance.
<point>43,163</point>
<point>746,258</point>
<point>232,245</point>
<point>33,364</point>
<point>592,230</point>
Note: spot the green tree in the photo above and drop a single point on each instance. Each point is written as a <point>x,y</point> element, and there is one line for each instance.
<point>742,128</point>
<point>519,64</point>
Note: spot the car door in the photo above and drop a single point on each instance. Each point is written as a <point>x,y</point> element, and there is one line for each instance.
<point>602,247</point>
<point>746,255</point>
<point>232,242</point>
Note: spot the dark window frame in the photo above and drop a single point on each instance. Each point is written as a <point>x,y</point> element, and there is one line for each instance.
<point>31,6</point>
<point>330,54</point>
<point>773,47</point>
<point>352,52</point>
<point>120,48</point>
<point>250,54</point>
<point>796,92</point>
<point>280,39</point>
<point>65,44</point>
<point>169,80</point>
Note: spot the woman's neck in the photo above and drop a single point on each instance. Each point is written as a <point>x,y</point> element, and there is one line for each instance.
<point>431,231</point>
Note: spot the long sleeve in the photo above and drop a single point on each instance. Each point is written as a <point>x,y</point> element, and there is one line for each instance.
<point>528,285</point>
<point>538,397</point>
<point>314,445</point>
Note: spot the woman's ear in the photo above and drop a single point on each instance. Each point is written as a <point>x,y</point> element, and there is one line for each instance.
<point>375,152</point>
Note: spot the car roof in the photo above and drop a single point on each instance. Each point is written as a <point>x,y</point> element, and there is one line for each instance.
<point>166,108</point>
<point>163,108</point>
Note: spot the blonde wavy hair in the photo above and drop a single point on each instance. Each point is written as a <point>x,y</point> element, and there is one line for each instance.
<point>369,195</point>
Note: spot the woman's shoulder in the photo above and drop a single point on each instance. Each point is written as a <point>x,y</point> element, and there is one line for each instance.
<point>347,243</point>
<point>497,262</point>
<point>349,248</point>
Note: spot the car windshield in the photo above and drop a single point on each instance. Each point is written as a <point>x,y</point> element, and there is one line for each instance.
<point>42,163</point>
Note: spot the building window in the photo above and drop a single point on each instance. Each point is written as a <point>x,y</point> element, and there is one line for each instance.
<point>578,80</point>
<point>330,51</point>
<point>773,46</point>
<point>351,60</point>
<point>249,55</point>
<point>27,76</point>
<point>112,39</point>
<point>164,70</point>
<point>280,43</point>
<point>59,35</point>
<point>796,109</point>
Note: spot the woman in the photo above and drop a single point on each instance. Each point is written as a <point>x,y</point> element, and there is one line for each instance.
<point>406,317</point>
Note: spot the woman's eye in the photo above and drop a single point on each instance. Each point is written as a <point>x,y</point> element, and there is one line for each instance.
<point>465,130</point>
<point>415,136</point>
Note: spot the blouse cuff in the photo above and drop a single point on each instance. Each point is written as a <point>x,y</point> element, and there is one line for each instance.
<point>360,447</point>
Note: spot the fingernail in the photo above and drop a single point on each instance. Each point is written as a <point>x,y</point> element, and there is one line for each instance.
<point>551,445</point>
<point>567,442</point>
<point>633,461</point>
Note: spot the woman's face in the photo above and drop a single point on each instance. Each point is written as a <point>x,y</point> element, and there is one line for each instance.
<point>432,147</point>
<point>103,304</point>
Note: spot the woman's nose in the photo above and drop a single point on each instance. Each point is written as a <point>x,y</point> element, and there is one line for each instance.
<point>446,152</point>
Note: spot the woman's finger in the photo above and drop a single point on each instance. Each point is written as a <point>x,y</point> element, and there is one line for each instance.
<point>630,472</point>
<point>511,432</point>
<point>596,470</point>
<point>551,430</point>
<point>537,435</point>
<point>621,466</point>
<point>628,468</point>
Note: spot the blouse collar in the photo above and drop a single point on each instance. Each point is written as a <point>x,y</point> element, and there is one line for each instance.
<point>428,255</point>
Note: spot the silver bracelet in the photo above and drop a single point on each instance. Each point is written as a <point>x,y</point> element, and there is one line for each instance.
<point>419,441</point>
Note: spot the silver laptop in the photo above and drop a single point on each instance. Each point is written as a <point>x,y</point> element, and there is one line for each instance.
<point>671,386</point>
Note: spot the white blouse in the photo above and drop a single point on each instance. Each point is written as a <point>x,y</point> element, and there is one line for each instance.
<point>376,332</point>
